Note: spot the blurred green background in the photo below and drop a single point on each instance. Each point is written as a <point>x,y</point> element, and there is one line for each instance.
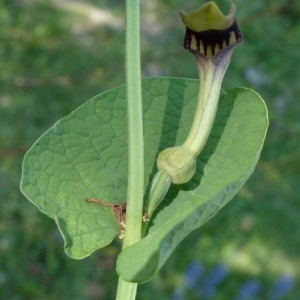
<point>54,55</point>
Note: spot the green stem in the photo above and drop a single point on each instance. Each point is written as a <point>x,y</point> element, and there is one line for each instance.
<point>126,290</point>
<point>135,193</point>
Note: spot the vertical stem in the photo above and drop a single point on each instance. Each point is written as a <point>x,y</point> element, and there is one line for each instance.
<point>135,126</point>
<point>135,193</point>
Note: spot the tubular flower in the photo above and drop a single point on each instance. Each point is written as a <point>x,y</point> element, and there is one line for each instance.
<point>211,37</point>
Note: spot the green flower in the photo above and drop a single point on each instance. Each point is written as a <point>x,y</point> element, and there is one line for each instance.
<point>211,37</point>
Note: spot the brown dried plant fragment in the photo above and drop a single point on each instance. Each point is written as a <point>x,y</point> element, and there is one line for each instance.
<point>119,212</point>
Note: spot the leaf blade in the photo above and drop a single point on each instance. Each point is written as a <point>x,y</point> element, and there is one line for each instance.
<point>85,155</point>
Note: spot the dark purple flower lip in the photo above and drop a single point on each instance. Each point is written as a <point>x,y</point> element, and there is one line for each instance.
<point>209,31</point>
<point>210,42</point>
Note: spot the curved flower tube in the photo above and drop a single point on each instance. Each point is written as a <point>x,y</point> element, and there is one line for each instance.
<point>211,37</point>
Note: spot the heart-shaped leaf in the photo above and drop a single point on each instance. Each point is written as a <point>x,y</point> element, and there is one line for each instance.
<point>85,155</point>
